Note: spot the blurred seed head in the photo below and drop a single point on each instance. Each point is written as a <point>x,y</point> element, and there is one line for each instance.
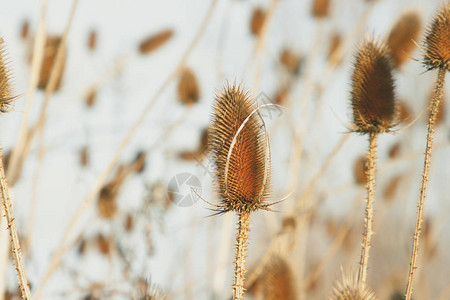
<point>335,43</point>
<point>257,21</point>
<point>247,185</point>
<point>278,280</point>
<point>25,29</point>
<point>92,40</point>
<point>107,201</point>
<point>349,289</point>
<point>437,40</point>
<point>84,156</point>
<point>91,97</point>
<point>50,51</point>
<point>391,188</point>
<point>404,111</point>
<point>372,93</point>
<point>138,164</point>
<point>394,151</point>
<point>6,87</point>
<point>320,8</point>
<point>402,36</point>
<point>360,170</point>
<point>188,89</point>
<point>155,41</point>
<point>290,61</point>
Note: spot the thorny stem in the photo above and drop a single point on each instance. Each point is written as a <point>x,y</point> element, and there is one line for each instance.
<point>434,108</point>
<point>370,186</point>
<point>17,256</point>
<point>241,252</point>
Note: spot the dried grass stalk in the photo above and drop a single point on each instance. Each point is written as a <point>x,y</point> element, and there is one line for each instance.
<point>437,56</point>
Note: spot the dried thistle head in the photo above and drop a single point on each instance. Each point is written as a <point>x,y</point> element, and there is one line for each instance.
<point>188,89</point>
<point>360,170</point>
<point>92,40</point>
<point>153,42</point>
<point>239,148</point>
<point>373,98</point>
<point>6,88</point>
<point>290,61</point>
<point>402,36</point>
<point>349,289</point>
<point>278,280</point>
<point>437,41</point>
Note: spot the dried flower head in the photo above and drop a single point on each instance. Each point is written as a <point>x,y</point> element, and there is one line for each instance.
<point>402,36</point>
<point>360,170</point>
<point>92,41</point>
<point>6,89</point>
<point>188,90</point>
<point>373,102</point>
<point>50,51</point>
<point>91,97</point>
<point>437,41</point>
<point>240,151</point>
<point>349,289</point>
<point>257,21</point>
<point>320,8</point>
<point>25,29</point>
<point>290,61</point>
<point>153,42</point>
<point>278,280</point>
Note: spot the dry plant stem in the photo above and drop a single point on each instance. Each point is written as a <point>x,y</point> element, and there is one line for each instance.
<point>56,258</point>
<point>241,253</point>
<point>370,186</point>
<point>17,256</point>
<point>434,107</point>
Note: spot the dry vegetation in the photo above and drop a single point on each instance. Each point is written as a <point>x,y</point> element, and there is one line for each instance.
<point>293,239</point>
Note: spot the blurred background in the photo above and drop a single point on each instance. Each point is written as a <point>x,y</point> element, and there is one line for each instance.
<point>109,136</point>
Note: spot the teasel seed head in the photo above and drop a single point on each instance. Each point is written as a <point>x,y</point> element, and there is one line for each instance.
<point>278,280</point>
<point>320,8</point>
<point>240,151</point>
<point>402,36</point>
<point>188,89</point>
<point>437,40</point>
<point>349,289</point>
<point>6,87</point>
<point>257,21</point>
<point>373,98</point>
<point>155,41</point>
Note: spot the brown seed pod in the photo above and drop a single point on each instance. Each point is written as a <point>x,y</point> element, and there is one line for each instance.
<point>290,60</point>
<point>437,41</point>
<point>404,111</point>
<point>107,201</point>
<point>360,170</point>
<point>25,29</point>
<point>394,151</point>
<point>391,188</point>
<point>6,88</point>
<point>257,21</point>
<point>50,50</point>
<point>320,8</point>
<point>240,151</point>
<point>188,89</point>
<point>84,156</point>
<point>402,36</point>
<point>373,99</point>
<point>91,97</point>
<point>92,40</point>
<point>154,42</point>
<point>282,95</point>
<point>278,280</point>
<point>103,244</point>
<point>349,289</point>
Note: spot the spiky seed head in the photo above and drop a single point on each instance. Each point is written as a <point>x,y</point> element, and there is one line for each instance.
<point>437,40</point>
<point>349,289</point>
<point>6,88</point>
<point>402,36</point>
<point>244,186</point>
<point>188,90</point>
<point>278,280</point>
<point>373,99</point>
<point>155,41</point>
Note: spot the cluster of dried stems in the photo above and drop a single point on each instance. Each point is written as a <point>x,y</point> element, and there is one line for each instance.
<point>238,142</point>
